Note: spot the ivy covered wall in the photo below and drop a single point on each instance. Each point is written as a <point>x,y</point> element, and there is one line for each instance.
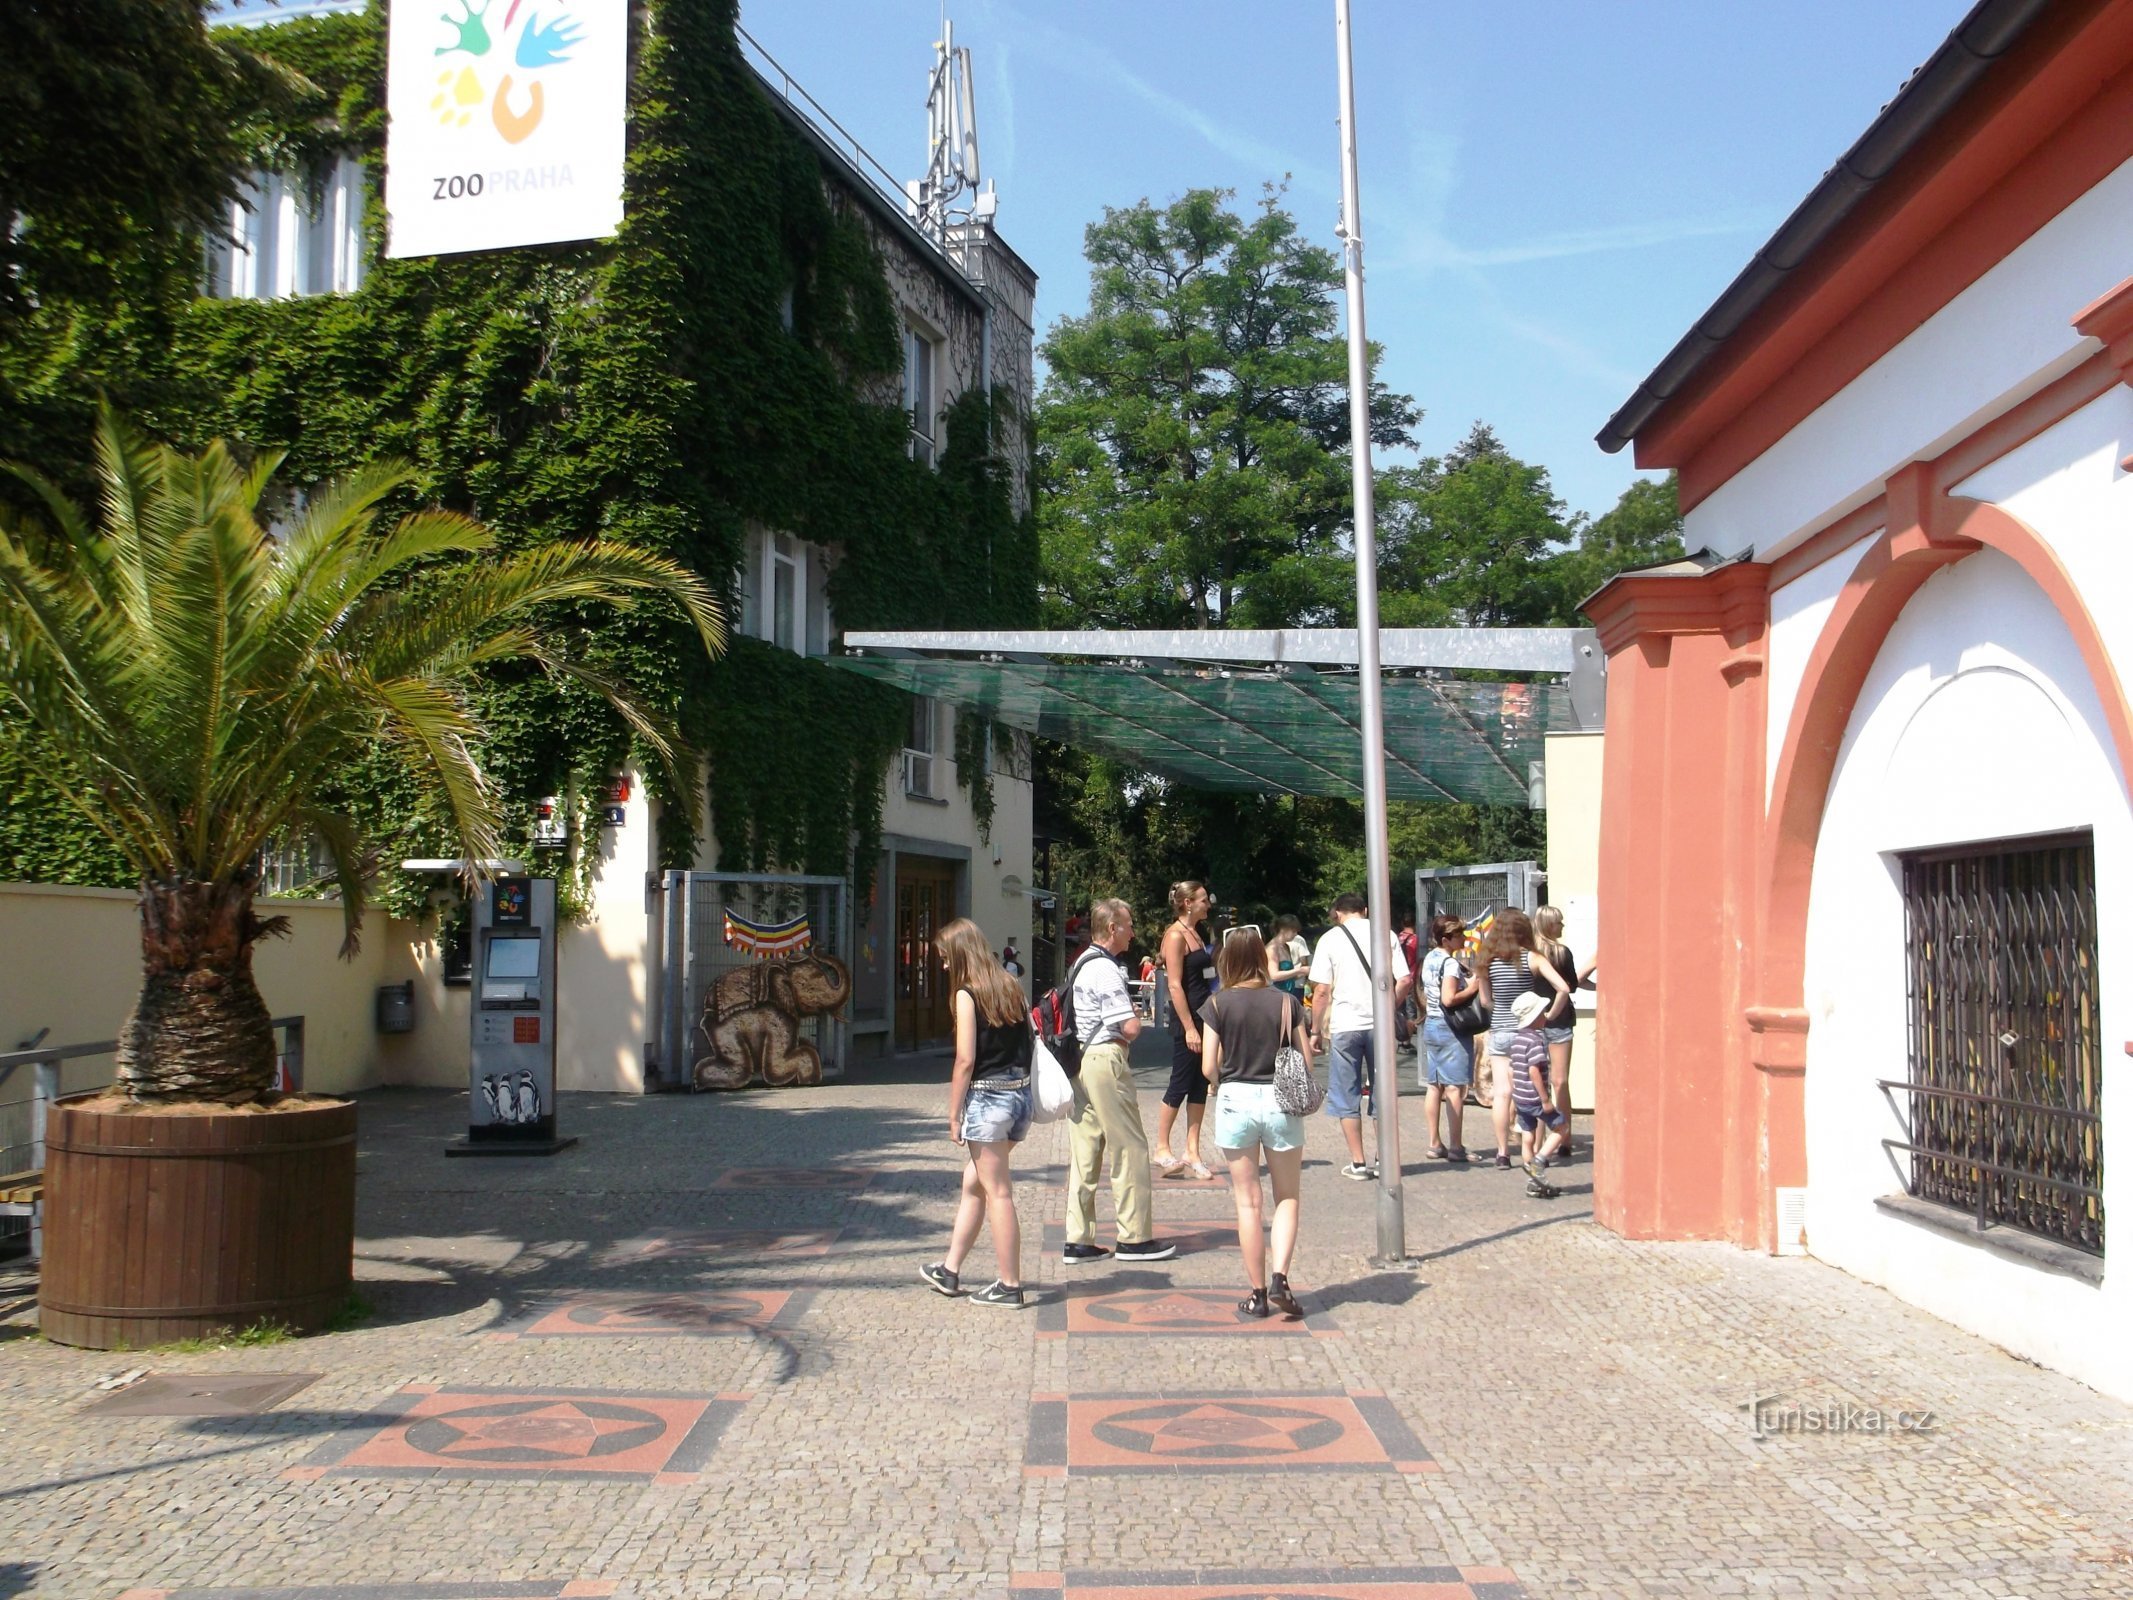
<point>646,387</point>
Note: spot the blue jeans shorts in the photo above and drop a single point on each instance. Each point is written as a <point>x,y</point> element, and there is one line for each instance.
<point>1246,1115</point>
<point>993,1114</point>
<point>1447,1059</point>
<point>1530,1121</point>
<point>1348,1065</point>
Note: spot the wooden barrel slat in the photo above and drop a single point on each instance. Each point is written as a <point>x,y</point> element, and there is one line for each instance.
<point>171,1227</point>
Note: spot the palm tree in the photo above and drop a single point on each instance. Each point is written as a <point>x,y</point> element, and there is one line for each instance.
<point>207,681</point>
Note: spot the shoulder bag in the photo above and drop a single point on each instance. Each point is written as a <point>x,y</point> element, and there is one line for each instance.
<point>1295,1090</point>
<point>1469,1017</point>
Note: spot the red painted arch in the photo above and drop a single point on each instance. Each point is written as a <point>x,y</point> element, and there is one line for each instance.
<point>1927,532</point>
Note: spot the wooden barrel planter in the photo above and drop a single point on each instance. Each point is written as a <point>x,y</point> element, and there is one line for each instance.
<point>174,1227</point>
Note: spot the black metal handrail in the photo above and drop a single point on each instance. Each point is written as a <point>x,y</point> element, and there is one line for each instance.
<point>2001,1101</point>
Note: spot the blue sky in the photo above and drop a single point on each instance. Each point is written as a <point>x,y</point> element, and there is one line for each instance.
<point>1551,191</point>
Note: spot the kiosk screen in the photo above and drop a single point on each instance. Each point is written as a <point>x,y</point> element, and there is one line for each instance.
<point>514,959</point>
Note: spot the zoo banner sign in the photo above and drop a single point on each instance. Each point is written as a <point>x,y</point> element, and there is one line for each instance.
<point>507,123</point>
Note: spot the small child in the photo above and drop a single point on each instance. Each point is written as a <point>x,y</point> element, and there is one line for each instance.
<point>1530,1096</point>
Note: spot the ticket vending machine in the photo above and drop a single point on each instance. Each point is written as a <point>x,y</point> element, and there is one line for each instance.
<point>511,1103</point>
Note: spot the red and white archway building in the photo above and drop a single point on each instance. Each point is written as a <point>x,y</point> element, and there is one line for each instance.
<point>1866,844</point>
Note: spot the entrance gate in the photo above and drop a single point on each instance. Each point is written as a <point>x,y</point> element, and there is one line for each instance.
<point>707,918</point>
<point>1469,892</point>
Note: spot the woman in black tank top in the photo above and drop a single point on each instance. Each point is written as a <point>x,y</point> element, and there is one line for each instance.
<point>989,1105</point>
<point>1188,969</point>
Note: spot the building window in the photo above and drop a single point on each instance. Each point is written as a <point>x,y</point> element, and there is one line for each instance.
<point>286,237</point>
<point>782,593</point>
<point>919,760</point>
<point>921,396</point>
<point>2003,1098</point>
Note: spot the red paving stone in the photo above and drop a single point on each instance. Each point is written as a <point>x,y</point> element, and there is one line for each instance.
<point>721,1313</point>
<point>514,1433</point>
<point>1220,1432</point>
<point>1198,1313</point>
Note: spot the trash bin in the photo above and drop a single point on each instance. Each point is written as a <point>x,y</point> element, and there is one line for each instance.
<point>396,1007</point>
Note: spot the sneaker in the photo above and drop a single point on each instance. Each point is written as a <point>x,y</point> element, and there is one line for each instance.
<point>1361,1171</point>
<point>1080,1255</point>
<point>999,1294</point>
<point>1147,1250</point>
<point>1280,1297</point>
<point>1541,1189</point>
<point>1533,1169</point>
<point>940,1280</point>
<point>1503,1161</point>
<point>1561,1158</point>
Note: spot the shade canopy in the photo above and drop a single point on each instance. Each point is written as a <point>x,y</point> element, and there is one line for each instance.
<point>1269,711</point>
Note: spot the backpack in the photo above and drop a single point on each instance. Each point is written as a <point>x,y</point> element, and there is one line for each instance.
<point>1053,1018</point>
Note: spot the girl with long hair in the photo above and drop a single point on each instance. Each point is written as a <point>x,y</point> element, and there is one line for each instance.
<point>1241,1028</point>
<point>1548,939</point>
<point>1447,1059</point>
<point>988,1109</point>
<point>1187,967</point>
<point>1511,965</point>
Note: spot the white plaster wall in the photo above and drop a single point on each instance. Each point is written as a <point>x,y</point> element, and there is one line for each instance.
<point>1977,721</point>
<point>1798,612</point>
<point>603,1022</point>
<point>2001,339</point>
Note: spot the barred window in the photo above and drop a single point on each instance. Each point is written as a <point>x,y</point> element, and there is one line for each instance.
<point>2002,1104</point>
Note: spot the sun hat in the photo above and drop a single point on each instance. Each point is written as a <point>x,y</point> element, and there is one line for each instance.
<point>1527,1008</point>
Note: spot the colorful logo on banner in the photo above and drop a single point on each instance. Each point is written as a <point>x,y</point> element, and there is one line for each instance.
<point>768,939</point>
<point>476,72</point>
<point>506,123</point>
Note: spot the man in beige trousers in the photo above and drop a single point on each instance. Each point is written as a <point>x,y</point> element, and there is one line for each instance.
<point>1107,1109</point>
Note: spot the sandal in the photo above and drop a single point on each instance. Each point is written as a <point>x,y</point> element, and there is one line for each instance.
<point>1200,1170</point>
<point>1281,1299</point>
<point>1437,1152</point>
<point>1457,1154</point>
<point>1167,1166</point>
<point>1254,1304</point>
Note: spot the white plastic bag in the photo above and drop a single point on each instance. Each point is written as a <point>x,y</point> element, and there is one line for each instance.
<point>1051,1090</point>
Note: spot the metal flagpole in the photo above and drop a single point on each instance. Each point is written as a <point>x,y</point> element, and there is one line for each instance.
<point>1392,1219</point>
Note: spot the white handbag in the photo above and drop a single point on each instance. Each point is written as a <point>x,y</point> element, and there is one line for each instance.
<point>1051,1090</point>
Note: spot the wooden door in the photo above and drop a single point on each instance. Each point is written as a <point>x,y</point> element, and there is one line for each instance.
<point>925,902</point>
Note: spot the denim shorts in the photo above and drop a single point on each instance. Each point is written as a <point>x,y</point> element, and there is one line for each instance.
<point>1348,1065</point>
<point>1246,1114</point>
<point>1446,1058</point>
<point>1558,1035</point>
<point>991,1115</point>
<point>1530,1121</point>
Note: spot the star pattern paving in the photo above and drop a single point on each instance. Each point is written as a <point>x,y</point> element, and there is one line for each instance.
<point>1218,1430</point>
<point>535,1432</point>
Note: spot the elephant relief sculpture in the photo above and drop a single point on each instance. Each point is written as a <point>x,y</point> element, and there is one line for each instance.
<point>750,1029</point>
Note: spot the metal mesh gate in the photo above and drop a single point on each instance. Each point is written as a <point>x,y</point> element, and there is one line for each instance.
<point>2002,1107</point>
<point>1469,892</point>
<point>701,944</point>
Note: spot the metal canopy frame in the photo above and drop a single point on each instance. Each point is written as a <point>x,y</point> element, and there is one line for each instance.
<point>1269,710</point>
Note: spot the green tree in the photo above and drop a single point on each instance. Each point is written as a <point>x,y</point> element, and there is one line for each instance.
<point>1642,530</point>
<point>205,687</point>
<point>1193,428</point>
<point>1470,540</point>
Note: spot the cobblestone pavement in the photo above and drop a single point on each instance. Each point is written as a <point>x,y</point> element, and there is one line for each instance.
<point>692,1357</point>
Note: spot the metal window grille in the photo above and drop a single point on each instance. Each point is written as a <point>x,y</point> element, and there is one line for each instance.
<point>2002,1104</point>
